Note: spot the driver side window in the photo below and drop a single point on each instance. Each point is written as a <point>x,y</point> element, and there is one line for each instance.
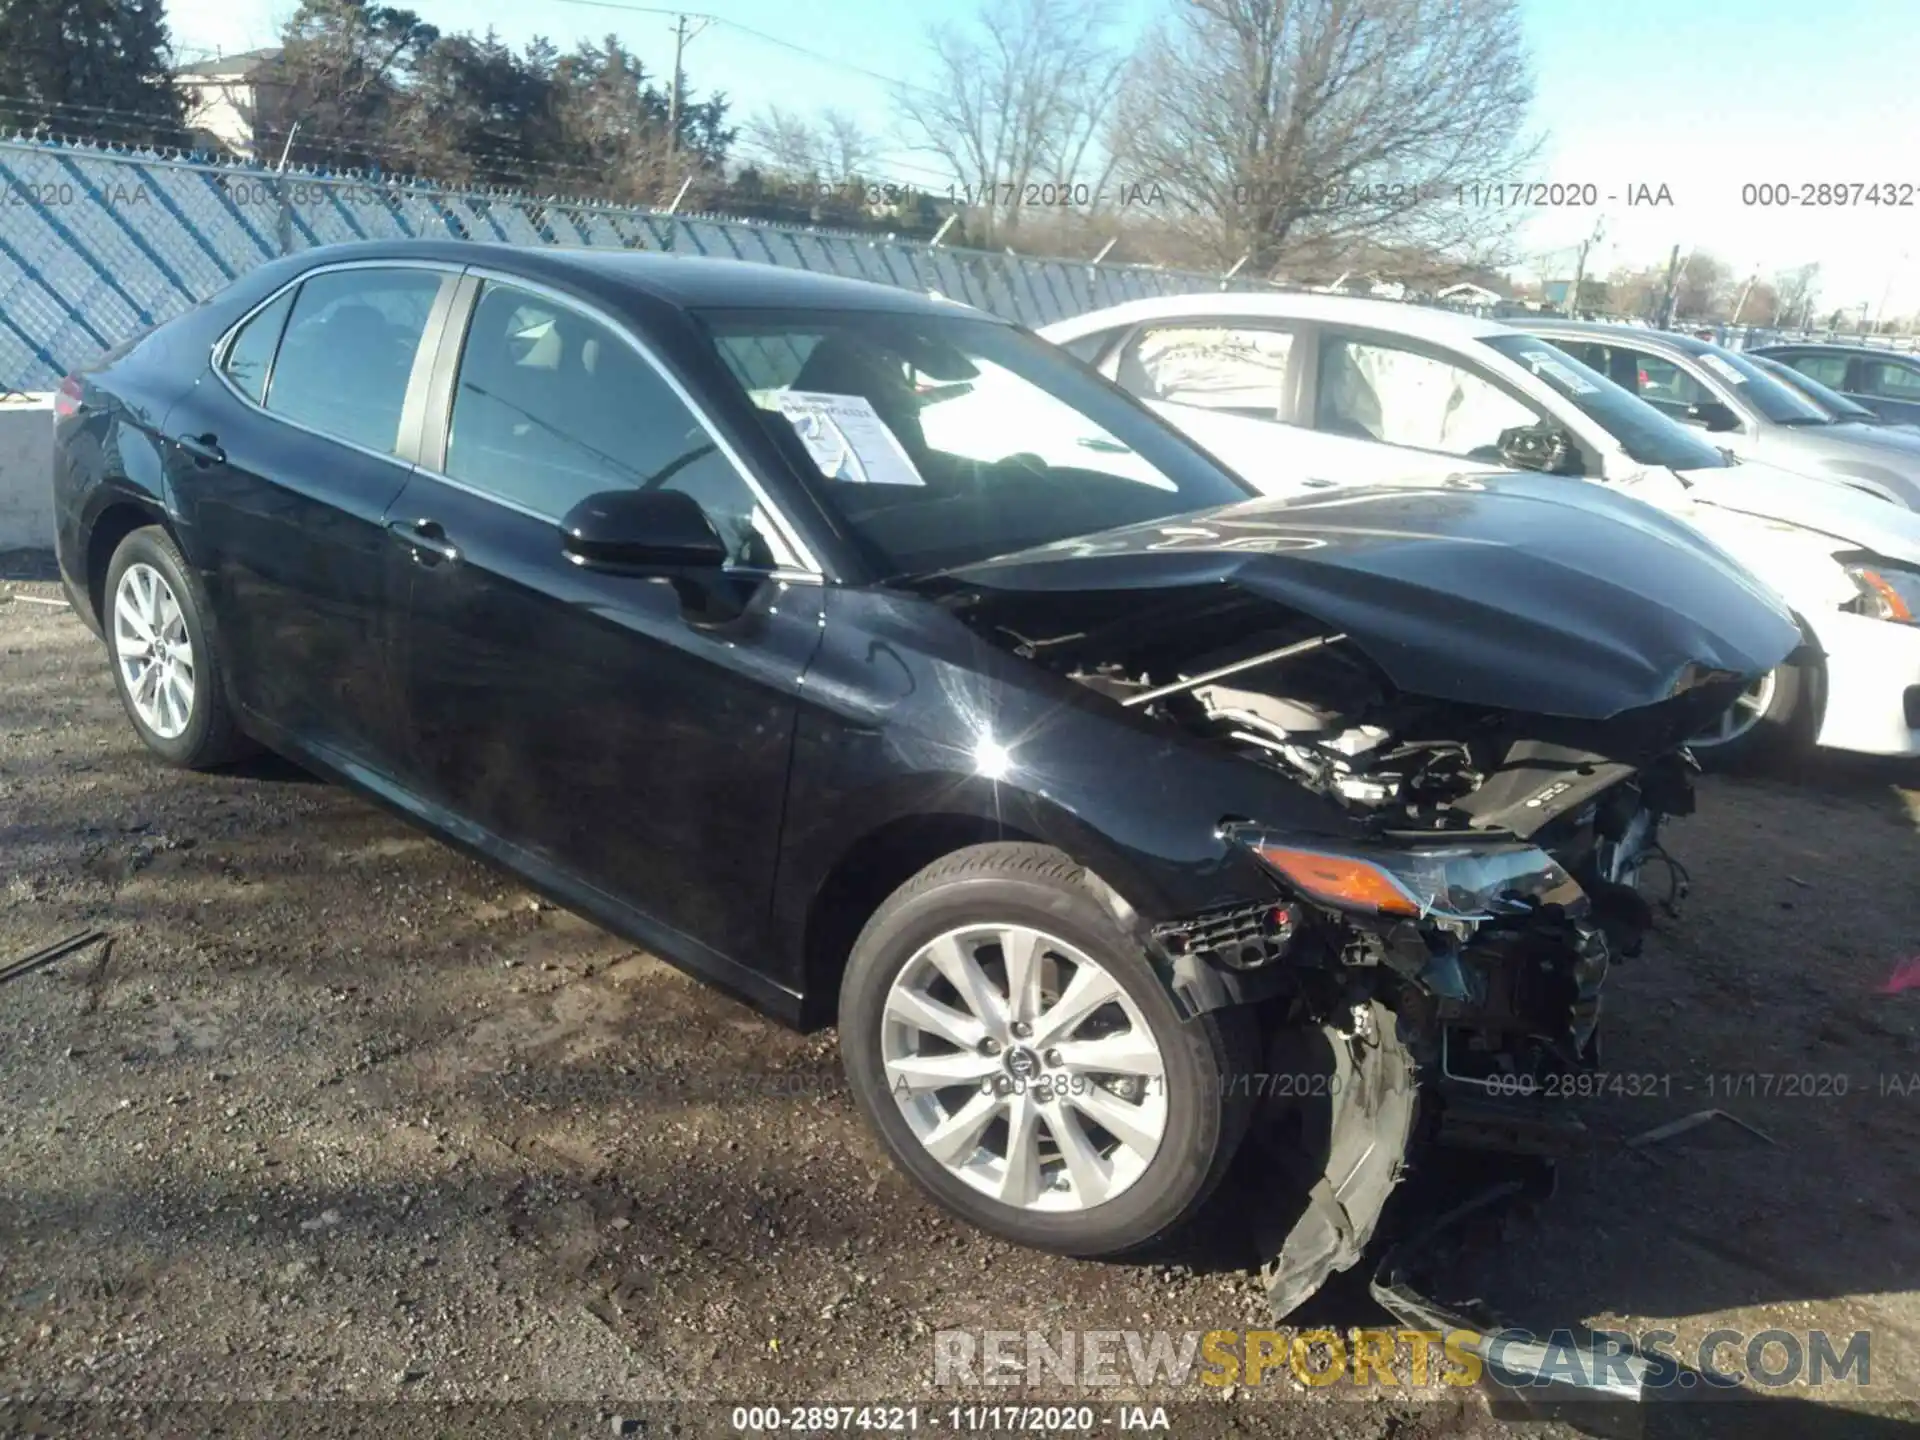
<point>1374,391</point>
<point>551,406</point>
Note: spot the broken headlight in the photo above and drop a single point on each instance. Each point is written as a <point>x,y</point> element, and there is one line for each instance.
<point>1886,592</point>
<point>1454,882</point>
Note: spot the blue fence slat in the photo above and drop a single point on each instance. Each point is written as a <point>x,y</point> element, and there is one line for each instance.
<point>215,184</point>
<point>163,196</point>
<point>81,280</point>
<point>132,232</point>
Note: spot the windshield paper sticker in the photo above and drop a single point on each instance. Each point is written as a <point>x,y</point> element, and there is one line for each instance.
<point>847,438</point>
<point>1544,364</point>
<point>1721,367</point>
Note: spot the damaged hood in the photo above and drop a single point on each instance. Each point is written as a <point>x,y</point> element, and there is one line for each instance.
<point>1511,590</point>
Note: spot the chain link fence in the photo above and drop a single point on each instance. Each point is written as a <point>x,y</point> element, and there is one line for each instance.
<point>97,243</point>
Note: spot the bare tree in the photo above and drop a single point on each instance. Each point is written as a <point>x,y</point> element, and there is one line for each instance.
<point>787,144</point>
<point>1758,304</point>
<point>1798,290</point>
<point>1289,130</point>
<point>836,147</point>
<point>1637,290</point>
<point>847,147</point>
<point>1017,100</point>
<point>1706,288</point>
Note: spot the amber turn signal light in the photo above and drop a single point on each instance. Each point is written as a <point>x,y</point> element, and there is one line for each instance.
<point>1340,880</point>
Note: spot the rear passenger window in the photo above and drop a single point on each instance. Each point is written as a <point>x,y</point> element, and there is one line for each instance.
<point>348,353</point>
<point>552,407</point>
<point>1829,370</point>
<point>1242,370</point>
<point>251,354</point>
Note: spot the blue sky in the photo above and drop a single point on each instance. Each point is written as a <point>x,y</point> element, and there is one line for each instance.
<point>1703,97</point>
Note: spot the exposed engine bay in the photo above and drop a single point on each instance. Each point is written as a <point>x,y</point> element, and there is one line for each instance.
<point>1456,1001</point>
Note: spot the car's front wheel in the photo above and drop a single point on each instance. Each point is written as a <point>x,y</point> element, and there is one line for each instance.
<point>1771,719</point>
<point>165,666</point>
<point>1022,1061</point>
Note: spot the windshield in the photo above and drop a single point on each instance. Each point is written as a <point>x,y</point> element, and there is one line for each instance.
<point>1833,402</point>
<point>1647,436</point>
<point>937,441</point>
<point>1760,390</point>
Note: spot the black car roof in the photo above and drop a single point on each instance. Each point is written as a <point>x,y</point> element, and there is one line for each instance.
<point>1878,352</point>
<point>685,281</point>
<point>1599,329</point>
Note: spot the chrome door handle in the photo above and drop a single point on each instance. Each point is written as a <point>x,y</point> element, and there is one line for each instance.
<point>204,448</point>
<point>426,539</point>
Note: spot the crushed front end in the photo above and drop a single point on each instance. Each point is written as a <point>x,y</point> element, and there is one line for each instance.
<point>1485,689</point>
<point>1441,981</point>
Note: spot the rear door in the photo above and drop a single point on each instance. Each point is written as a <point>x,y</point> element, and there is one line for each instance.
<point>1890,387</point>
<point>286,455</point>
<point>594,722</point>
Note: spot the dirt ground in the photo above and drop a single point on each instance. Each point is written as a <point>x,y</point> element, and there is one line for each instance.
<point>343,1115</point>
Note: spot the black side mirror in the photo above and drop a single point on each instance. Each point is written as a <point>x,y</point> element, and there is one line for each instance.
<point>642,532</point>
<point>1544,447</point>
<point>1713,416</point>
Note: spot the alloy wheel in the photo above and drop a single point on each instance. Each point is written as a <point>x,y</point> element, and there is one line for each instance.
<point>153,650</point>
<point>1747,710</point>
<point>1024,1068</point>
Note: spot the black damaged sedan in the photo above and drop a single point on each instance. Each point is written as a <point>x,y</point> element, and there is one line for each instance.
<point>869,657</point>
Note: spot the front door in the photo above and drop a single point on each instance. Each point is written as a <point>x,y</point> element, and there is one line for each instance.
<point>1434,414</point>
<point>595,720</point>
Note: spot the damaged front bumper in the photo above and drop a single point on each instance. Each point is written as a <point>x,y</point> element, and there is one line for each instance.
<point>1595,1366</point>
<point>1463,1024</point>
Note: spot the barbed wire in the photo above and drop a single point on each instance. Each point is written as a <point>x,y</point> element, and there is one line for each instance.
<point>80,117</point>
<point>456,193</point>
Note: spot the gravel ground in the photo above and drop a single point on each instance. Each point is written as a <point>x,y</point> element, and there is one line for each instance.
<point>340,1114</point>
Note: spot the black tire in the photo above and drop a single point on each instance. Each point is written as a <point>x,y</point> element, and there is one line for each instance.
<point>1037,886</point>
<point>212,735</point>
<point>1784,731</point>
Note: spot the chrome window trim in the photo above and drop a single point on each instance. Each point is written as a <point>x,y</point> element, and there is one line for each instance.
<point>809,566</point>
<point>217,357</point>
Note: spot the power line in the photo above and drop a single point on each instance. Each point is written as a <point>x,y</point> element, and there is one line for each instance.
<point>835,61</point>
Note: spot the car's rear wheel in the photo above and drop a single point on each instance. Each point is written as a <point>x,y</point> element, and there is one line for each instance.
<point>165,664</point>
<point>1021,1060</point>
<point>1770,719</point>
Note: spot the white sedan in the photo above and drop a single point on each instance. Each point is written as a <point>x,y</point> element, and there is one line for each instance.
<point>1301,391</point>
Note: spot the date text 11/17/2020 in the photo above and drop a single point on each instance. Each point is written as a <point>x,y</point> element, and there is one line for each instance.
<point>1471,194</point>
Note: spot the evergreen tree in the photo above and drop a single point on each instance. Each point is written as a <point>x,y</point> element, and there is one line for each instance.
<point>93,69</point>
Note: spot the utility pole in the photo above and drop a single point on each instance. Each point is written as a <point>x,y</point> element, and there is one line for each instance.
<point>1887,290</point>
<point>1745,291</point>
<point>1580,269</point>
<point>681,35</point>
<point>1665,318</point>
<point>1673,297</point>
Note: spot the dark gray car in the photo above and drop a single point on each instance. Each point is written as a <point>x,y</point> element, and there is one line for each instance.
<point>1742,408</point>
<point>1832,401</point>
<point>1886,381</point>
